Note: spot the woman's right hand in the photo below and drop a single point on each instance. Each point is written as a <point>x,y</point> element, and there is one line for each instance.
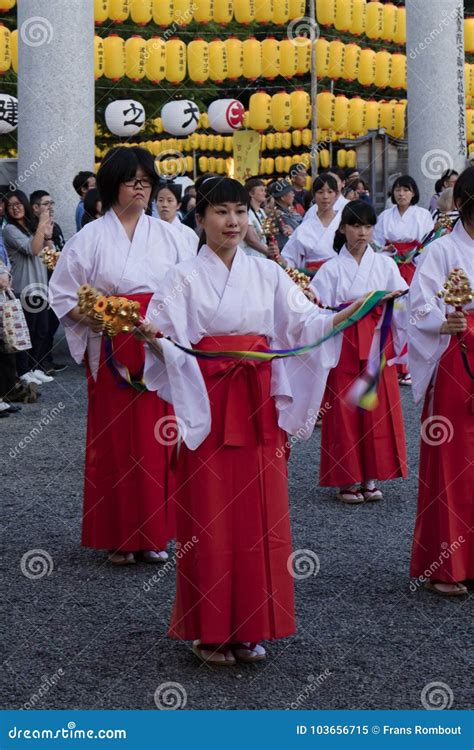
<point>96,326</point>
<point>145,332</point>
<point>455,323</point>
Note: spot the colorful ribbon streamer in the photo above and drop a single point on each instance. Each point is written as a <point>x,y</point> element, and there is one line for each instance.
<point>120,372</point>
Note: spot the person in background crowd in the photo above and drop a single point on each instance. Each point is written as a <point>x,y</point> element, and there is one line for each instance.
<point>299,177</point>
<point>447,180</point>
<point>25,238</point>
<point>41,202</point>
<point>4,189</point>
<point>81,183</point>
<point>168,202</point>
<point>190,190</point>
<point>311,245</point>
<point>446,212</point>
<point>351,174</point>
<point>190,219</point>
<point>357,190</point>
<point>255,242</point>
<point>339,176</point>
<point>288,219</point>
<point>92,207</point>
<point>188,203</point>
<point>7,359</point>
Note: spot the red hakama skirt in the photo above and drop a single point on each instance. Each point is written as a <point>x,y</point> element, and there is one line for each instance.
<point>407,270</point>
<point>358,445</point>
<point>127,487</point>
<point>443,544</point>
<point>233,527</point>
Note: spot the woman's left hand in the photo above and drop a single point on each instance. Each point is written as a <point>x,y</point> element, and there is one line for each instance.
<point>145,331</point>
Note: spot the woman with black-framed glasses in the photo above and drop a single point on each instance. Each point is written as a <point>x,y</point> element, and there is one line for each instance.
<point>125,252</point>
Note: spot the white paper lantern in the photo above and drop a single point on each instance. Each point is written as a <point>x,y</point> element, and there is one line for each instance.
<point>8,113</point>
<point>226,115</point>
<point>125,117</point>
<point>180,117</point>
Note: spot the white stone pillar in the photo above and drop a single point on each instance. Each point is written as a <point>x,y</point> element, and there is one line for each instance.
<point>55,99</point>
<point>436,99</point>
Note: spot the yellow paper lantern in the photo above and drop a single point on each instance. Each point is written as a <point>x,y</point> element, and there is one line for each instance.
<point>342,158</point>
<point>389,22</point>
<point>228,143</point>
<point>296,138</point>
<point>286,164</point>
<point>202,142</point>
<point>198,60</point>
<point>218,142</point>
<point>268,141</point>
<point>212,164</point>
<point>366,75</point>
<point>279,163</point>
<point>374,20</point>
<point>183,12</point>
<point>223,11</point>
<point>470,126</point>
<point>244,11</point>
<point>306,137</point>
<point>175,61</point>
<point>300,109</point>
<point>260,111</point>
<point>325,12</point>
<point>351,61</point>
<point>5,49</point>
<point>400,36</point>
<point>141,11</point>
<point>297,8</point>
<point>14,48</point>
<point>399,71</point>
<point>114,57</point>
<point>358,17</point>
<point>356,116</point>
<point>287,58</point>
<point>281,12</point>
<point>343,15</point>
<point>163,13</point>
<point>324,158</point>
<point>383,69</point>
<point>235,58</point>
<point>269,165</point>
<point>278,141</point>
<point>252,67</point>
<point>220,165</point>
<point>303,55</point>
<point>322,57</point>
<point>385,114</point>
<point>280,111</point>
<point>203,11</point>
<point>341,113</point>
<point>264,11</point>
<point>469,78</point>
<point>203,164</point>
<point>155,63</point>
<point>135,57</point>
<point>98,57</point>
<point>325,109</point>
<point>101,11</point>
<point>336,59</point>
<point>372,115</point>
<point>270,58</point>
<point>204,121</point>
<point>399,115</point>
<point>351,158</point>
<point>211,142</point>
<point>119,10</point>
<point>217,61</point>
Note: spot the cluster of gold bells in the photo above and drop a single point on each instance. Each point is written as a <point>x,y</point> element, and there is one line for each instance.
<point>299,277</point>
<point>457,289</point>
<point>118,314</point>
<point>50,257</point>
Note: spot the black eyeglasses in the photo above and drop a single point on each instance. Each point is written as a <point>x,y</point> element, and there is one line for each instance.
<point>143,182</point>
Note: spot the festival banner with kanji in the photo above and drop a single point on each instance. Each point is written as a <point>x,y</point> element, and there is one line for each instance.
<point>246,154</point>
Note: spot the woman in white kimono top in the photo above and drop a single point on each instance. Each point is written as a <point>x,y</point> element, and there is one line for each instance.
<point>127,488</point>
<point>359,447</point>
<point>234,587</point>
<point>311,244</point>
<point>442,373</point>
<point>168,202</point>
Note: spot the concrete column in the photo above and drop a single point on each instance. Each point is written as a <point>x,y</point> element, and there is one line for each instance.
<point>55,99</point>
<point>436,100</point>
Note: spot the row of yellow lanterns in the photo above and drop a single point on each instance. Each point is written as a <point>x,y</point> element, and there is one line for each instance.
<point>218,60</point>
<point>182,12</point>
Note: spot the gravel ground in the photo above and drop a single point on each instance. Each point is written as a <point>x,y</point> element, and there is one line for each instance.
<point>91,636</point>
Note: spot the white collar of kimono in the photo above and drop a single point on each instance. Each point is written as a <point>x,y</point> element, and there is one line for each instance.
<point>410,210</point>
<point>111,217</point>
<point>209,256</point>
<point>345,255</point>
<point>460,237</point>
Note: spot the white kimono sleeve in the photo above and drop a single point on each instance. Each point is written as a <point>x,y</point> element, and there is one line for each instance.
<point>294,251</point>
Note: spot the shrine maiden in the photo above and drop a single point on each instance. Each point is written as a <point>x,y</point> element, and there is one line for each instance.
<point>234,585</point>
<point>168,203</point>
<point>400,229</point>
<point>359,448</point>
<point>311,244</point>
<point>127,489</point>
<point>443,545</point>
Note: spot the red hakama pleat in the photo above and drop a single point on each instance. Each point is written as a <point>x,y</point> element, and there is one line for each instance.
<point>315,265</point>
<point>357,445</point>
<point>233,527</point>
<point>443,544</point>
<point>407,270</point>
<point>128,487</point>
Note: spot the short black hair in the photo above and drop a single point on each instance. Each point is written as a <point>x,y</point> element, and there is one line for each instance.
<point>439,184</point>
<point>91,199</point>
<point>215,190</point>
<point>407,182</point>
<point>463,196</point>
<point>119,165</point>
<point>297,168</point>
<point>335,170</point>
<point>36,196</point>
<point>354,212</point>
<point>322,180</point>
<point>80,180</point>
<point>173,187</point>
<point>253,182</point>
